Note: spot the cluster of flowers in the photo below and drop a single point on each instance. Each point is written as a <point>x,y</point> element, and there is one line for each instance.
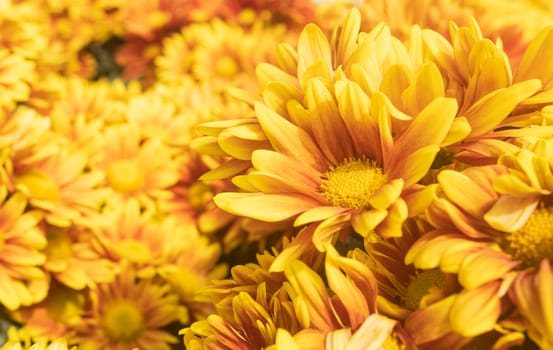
<point>276,174</point>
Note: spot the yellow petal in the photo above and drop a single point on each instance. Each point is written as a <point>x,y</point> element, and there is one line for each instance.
<point>347,40</point>
<point>299,245</point>
<point>465,193</point>
<point>354,106</point>
<point>460,129</point>
<point>318,214</point>
<point>483,267</point>
<point>387,194</point>
<point>531,65</point>
<point>226,170</point>
<point>510,213</point>
<point>309,285</point>
<point>312,46</point>
<point>391,226</point>
<point>491,109</point>
<point>476,311</point>
<point>287,58</point>
<point>290,140</point>
<point>365,222</point>
<point>264,207</point>
<point>327,126</point>
<point>277,163</point>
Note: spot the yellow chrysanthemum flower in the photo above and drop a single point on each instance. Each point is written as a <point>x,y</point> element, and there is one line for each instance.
<point>330,151</point>
<point>218,53</point>
<point>62,186</point>
<point>249,308</point>
<point>129,313</point>
<point>491,255</point>
<point>493,103</point>
<point>257,306</point>
<point>23,281</point>
<point>71,257</point>
<point>135,168</point>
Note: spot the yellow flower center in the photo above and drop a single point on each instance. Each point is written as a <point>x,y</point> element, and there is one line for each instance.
<point>122,321</point>
<point>59,244</point>
<point>39,185</point>
<point>352,183</point>
<point>421,286</point>
<point>199,194</point>
<point>125,176</point>
<point>392,343</point>
<point>226,66</point>
<point>534,241</point>
<point>134,251</point>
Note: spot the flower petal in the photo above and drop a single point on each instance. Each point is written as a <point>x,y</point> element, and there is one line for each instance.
<point>264,207</point>
<point>476,311</point>
<point>290,140</point>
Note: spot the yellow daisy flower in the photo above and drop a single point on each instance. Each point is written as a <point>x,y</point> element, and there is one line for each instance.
<point>129,313</point>
<point>158,244</point>
<point>62,186</point>
<point>23,282</point>
<point>218,52</point>
<point>489,256</point>
<point>249,308</point>
<point>72,259</point>
<point>137,169</point>
<point>343,313</point>
<point>493,104</point>
<point>127,233</point>
<point>345,157</point>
